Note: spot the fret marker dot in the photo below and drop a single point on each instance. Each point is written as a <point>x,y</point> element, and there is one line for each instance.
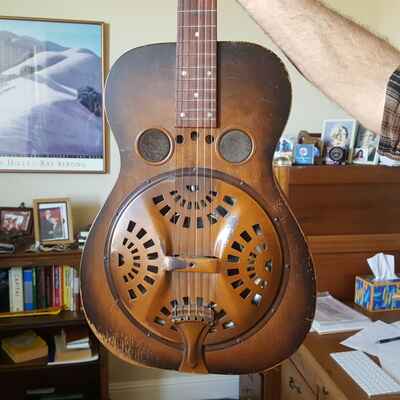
<point>196,95</point>
<point>183,115</point>
<point>209,73</point>
<point>184,73</point>
<point>209,115</point>
<point>197,34</point>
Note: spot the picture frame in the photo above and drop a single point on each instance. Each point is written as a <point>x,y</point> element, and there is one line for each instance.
<point>366,147</point>
<point>283,155</point>
<point>16,221</point>
<point>51,95</point>
<point>339,136</point>
<point>53,221</point>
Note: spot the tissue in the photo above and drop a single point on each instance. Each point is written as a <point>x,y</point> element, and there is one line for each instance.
<point>382,266</point>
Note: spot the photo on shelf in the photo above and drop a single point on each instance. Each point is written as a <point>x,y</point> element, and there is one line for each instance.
<point>366,147</point>
<point>339,136</point>
<point>16,221</point>
<point>283,155</point>
<point>53,221</point>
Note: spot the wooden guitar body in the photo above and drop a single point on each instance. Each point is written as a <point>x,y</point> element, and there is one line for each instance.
<point>195,263</point>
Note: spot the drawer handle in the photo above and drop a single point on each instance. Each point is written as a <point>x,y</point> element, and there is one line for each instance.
<point>324,392</point>
<point>48,390</point>
<point>293,386</point>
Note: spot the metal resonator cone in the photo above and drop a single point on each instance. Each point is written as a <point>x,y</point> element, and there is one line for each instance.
<point>195,261</point>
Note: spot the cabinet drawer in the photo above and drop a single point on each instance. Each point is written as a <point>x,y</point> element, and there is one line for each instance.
<point>316,377</point>
<point>294,386</point>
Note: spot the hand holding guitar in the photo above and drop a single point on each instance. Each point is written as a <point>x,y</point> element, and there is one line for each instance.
<point>333,52</point>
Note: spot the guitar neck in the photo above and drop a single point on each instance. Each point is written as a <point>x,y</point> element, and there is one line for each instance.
<point>196,63</point>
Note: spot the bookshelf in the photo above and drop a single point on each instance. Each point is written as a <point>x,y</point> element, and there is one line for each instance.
<point>20,380</point>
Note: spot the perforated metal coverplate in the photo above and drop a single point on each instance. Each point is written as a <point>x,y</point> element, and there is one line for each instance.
<point>189,216</point>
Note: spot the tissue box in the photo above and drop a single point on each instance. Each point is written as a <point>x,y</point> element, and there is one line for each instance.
<point>377,295</point>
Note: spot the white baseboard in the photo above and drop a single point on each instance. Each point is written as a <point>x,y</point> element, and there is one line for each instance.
<point>177,388</point>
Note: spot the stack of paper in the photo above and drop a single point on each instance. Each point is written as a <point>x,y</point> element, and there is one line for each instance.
<point>388,353</point>
<point>333,316</point>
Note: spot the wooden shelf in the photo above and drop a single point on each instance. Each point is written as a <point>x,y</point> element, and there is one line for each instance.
<point>23,259</point>
<point>340,174</point>
<point>7,365</point>
<point>343,200</point>
<point>65,318</point>
<point>90,377</point>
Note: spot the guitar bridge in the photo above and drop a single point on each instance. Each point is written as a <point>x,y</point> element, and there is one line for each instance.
<point>193,312</point>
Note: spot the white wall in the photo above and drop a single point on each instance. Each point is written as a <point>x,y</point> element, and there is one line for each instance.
<point>133,23</point>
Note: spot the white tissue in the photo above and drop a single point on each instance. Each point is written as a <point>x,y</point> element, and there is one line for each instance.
<point>382,266</point>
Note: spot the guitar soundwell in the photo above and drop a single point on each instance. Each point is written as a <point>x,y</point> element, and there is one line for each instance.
<point>195,263</point>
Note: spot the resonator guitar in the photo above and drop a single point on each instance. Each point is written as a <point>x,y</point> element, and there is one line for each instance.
<point>196,263</point>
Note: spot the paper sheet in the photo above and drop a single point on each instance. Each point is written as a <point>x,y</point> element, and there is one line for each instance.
<point>366,340</point>
<point>388,353</point>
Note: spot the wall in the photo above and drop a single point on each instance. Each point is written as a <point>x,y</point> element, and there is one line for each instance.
<point>133,23</point>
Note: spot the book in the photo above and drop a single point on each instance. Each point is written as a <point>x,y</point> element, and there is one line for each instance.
<point>41,288</point>
<point>28,295</point>
<point>76,290</point>
<point>16,282</point>
<point>4,291</point>
<point>76,337</point>
<point>333,316</point>
<point>63,354</point>
<point>34,289</point>
<point>48,286</point>
<point>56,273</point>
<point>25,347</point>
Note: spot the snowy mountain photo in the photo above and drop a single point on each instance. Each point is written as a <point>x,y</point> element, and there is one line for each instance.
<point>50,92</point>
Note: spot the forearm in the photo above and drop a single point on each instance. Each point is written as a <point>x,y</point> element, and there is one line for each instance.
<point>348,63</point>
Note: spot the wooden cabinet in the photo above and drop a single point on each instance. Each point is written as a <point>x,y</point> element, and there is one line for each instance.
<point>18,380</point>
<point>294,386</point>
<point>348,214</point>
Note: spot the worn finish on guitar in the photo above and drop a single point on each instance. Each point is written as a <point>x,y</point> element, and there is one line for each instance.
<point>196,263</point>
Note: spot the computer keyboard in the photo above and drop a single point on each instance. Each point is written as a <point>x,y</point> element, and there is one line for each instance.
<point>368,375</point>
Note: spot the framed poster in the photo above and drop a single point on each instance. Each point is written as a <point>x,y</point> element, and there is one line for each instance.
<point>51,95</point>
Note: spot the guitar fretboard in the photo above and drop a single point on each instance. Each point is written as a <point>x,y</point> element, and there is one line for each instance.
<point>196,62</point>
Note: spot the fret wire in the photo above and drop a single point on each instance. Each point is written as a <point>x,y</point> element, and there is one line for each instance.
<point>199,67</point>
<point>197,57</point>
<point>198,26</point>
<point>196,11</point>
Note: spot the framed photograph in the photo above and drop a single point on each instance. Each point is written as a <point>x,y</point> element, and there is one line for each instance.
<point>284,152</point>
<point>339,136</point>
<point>51,95</point>
<point>53,221</point>
<point>366,147</point>
<point>16,221</point>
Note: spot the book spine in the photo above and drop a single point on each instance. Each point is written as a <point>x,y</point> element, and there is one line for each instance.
<point>4,291</point>
<point>76,290</point>
<point>64,279</point>
<point>67,286</point>
<point>57,290</point>
<point>71,288</point>
<point>34,289</point>
<point>41,288</point>
<point>11,289</point>
<point>18,299</point>
<point>28,296</point>
<point>53,285</point>
<point>49,300</point>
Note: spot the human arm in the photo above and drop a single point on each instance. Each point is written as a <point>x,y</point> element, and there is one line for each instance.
<point>348,63</point>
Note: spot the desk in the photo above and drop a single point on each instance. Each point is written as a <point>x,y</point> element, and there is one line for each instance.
<point>311,374</point>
